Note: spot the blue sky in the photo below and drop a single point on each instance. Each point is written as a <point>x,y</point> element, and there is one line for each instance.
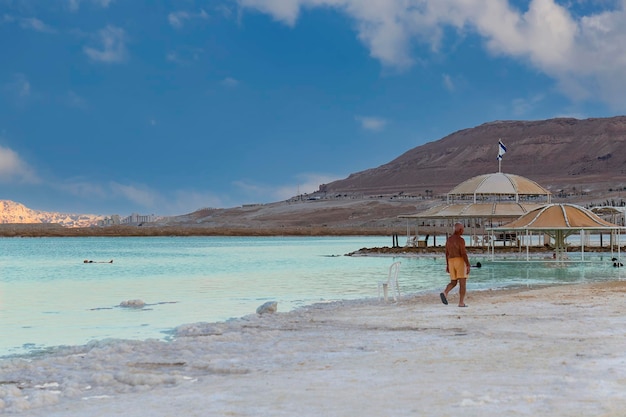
<point>164,107</point>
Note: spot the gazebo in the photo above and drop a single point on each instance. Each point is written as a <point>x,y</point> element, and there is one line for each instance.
<point>483,201</point>
<point>560,221</point>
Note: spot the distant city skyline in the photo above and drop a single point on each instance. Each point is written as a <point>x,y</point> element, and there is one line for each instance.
<point>110,106</point>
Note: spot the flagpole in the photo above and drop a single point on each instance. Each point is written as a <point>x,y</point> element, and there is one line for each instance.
<point>501,151</point>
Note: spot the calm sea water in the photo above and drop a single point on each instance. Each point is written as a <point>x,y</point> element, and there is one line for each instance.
<point>49,297</point>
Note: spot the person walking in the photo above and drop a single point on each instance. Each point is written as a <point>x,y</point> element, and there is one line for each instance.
<point>457,265</point>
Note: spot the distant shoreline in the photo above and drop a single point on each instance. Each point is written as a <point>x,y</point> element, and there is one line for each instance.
<point>24,230</point>
<point>57,230</point>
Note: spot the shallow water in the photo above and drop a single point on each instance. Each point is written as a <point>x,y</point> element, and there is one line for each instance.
<point>49,297</point>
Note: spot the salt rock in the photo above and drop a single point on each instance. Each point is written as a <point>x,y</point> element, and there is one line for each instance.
<point>269,307</point>
<point>133,304</point>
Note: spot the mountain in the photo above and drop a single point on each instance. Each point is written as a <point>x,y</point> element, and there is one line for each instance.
<point>560,154</point>
<point>12,212</point>
<point>580,161</point>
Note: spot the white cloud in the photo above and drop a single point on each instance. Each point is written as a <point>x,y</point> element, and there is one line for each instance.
<point>13,168</point>
<point>224,10</point>
<point>81,188</point>
<point>178,19</point>
<point>36,24</point>
<point>305,183</point>
<point>173,57</point>
<point>524,106</point>
<point>283,11</point>
<point>179,202</point>
<point>74,5</point>
<point>140,195</point>
<point>185,202</point>
<point>448,84</point>
<point>371,123</point>
<point>230,82</point>
<point>112,46</point>
<point>583,54</point>
<point>185,55</point>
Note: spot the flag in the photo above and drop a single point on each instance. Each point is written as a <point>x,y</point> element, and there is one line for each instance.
<point>501,150</point>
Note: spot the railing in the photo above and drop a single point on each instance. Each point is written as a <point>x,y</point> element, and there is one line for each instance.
<point>505,237</point>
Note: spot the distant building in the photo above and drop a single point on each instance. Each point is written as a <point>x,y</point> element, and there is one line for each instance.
<point>110,221</point>
<point>136,218</point>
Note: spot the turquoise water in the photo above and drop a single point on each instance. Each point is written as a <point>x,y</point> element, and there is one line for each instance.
<point>49,297</point>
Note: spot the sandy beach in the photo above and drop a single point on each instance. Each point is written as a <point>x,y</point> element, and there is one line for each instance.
<point>553,351</point>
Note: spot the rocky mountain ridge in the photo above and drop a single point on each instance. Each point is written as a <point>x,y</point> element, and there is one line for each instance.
<point>563,155</point>
<point>12,212</point>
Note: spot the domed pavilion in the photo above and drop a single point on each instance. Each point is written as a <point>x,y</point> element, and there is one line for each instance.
<point>560,221</point>
<point>481,202</point>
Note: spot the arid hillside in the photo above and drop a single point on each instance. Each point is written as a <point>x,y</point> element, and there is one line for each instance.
<point>561,154</point>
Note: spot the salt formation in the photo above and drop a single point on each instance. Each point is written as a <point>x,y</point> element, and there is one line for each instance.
<point>133,304</point>
<point>269,307</point>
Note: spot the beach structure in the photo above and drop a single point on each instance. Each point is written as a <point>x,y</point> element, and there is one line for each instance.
<point>481,202</point>
<point>560,221</point>
<point>612,214</point>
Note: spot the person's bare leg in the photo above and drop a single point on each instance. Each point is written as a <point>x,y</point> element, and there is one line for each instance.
<point>449,287</point>
<point>462,282</point>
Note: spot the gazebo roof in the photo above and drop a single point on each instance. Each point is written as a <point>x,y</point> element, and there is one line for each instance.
<point>499,184</point>
<point>484,210</point>
<point>559,217</point>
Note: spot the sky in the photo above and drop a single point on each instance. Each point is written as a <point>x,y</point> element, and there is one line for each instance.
<point>165,107</point>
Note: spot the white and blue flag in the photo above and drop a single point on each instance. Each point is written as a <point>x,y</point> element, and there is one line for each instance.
<point>501,150</point>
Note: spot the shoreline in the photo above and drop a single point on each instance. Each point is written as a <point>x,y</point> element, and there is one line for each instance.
<point>55,230</point>
<point>554,350</point>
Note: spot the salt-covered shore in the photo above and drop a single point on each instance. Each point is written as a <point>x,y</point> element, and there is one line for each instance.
<point>554,351</point>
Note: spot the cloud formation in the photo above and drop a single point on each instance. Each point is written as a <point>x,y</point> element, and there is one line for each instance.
<point>371,123</point>
<point>36,25</point>
<point>304,183</point>
<point>141,196</point>
<point>81,188</point>
<point>112,46</point>
<point>74,5</point>
<point>14,169</point>
<point>178,19</point>
<point>583,53</point>
<point>230,82</point>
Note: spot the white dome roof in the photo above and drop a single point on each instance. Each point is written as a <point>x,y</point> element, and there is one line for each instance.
<point>499,184</point>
